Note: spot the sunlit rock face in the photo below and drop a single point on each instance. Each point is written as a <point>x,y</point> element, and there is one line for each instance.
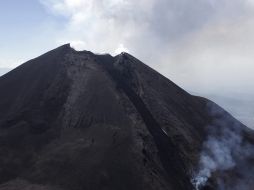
<point>73,120</point>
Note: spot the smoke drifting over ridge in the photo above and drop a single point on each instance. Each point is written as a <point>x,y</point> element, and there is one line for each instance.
<point>224,151</point>
<point>187,41</point>
<point>184,40</point>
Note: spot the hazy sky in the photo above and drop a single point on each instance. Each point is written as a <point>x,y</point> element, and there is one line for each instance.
<point>205,46</point>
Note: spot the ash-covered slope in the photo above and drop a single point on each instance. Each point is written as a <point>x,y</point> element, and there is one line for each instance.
<point>75,120</point>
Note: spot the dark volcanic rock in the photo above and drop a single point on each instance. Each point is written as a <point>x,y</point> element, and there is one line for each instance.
<point>75,120</point>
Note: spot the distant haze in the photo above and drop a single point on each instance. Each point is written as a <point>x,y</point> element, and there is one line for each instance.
<point>241,107</point>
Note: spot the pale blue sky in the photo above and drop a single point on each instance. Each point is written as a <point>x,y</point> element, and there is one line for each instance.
<point>27,30</point>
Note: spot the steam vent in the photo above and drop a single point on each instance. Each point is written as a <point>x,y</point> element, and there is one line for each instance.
<point>73,120</point>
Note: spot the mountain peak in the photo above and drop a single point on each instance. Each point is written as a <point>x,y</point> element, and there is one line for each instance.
<point>66,46</point>
<point>76,120</point>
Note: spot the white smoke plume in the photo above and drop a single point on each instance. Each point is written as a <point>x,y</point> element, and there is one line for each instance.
<point>224,149</point>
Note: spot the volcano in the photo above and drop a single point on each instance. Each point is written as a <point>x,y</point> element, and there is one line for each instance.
<point>74,120</point>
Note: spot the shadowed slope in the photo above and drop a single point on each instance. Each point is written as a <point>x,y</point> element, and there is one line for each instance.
<point>75,120</point>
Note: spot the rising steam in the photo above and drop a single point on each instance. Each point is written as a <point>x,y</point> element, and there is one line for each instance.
<point>224,149</point>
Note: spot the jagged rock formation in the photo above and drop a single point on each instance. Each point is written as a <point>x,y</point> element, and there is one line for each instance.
<point>75,120</point>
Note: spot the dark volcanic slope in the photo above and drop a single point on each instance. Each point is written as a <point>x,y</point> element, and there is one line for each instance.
<point>74,120</point>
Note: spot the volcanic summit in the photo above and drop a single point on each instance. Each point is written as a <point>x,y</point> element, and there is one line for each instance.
<point>74,120</point>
